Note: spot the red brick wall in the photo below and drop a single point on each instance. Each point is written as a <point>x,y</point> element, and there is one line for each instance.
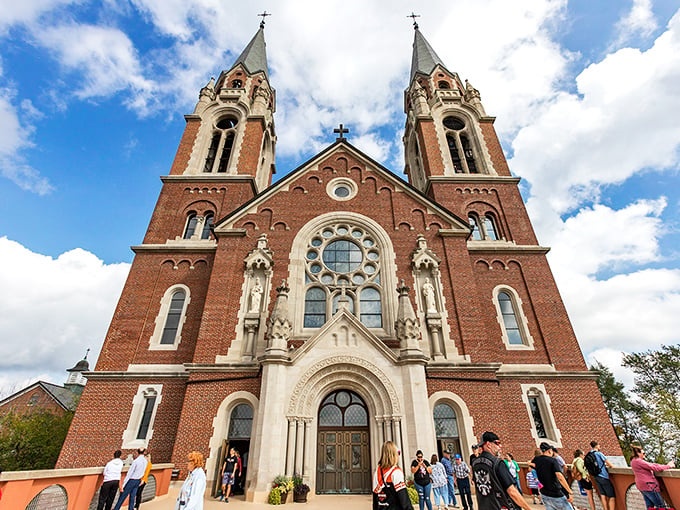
<point>186,145</point>
<point>23,405</point>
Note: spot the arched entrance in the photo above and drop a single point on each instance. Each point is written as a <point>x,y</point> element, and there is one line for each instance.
<point>343,452</point>
<point>446,429</point>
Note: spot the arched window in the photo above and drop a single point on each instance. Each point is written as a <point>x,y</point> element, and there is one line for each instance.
<point>443,85</point>
<point>490,228</point>
<point>474,224</point>
<point>535,408</point>
<point>315,308</point>
<point>509,316</point>
<point>219,152</point>
<point>446,429</point>
<point>343,409</point>
<point>173,318</point>
<point>190,228</point>
<point>207,223</point>
<point>236,84</point>
<point>458,134</point>
<point>241,422</point>
<point>543,426</point>
<point>343,258</point>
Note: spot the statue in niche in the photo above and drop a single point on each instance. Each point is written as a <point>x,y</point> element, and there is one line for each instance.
<point>255,296</point>
<point>428,294</point>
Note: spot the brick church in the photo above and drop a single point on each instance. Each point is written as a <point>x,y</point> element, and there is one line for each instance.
<point>307,321</point>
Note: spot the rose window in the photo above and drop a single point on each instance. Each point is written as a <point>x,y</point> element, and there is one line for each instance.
<point>342,264</point>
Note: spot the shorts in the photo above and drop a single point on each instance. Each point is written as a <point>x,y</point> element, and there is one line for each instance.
<point>228,479</point>
<point>534,491</point>
<point>585,485</point>
<point>604,487</point>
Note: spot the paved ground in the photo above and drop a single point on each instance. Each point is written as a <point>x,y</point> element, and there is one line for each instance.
<point>238,503</point>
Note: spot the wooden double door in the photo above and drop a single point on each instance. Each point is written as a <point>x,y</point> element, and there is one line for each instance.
<point>343,461</point>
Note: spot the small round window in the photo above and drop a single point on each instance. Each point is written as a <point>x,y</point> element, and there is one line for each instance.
<point>454,123</point>
<point>341,189</point>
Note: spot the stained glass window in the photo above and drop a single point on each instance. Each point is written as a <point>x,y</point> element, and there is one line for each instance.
<point>241,422</point>
<point>445,422</point>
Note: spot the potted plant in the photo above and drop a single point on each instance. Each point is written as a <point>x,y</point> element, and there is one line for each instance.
<point>300,489</point>
<point>280,489</point>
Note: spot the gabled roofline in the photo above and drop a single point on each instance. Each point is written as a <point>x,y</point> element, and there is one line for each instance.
<point>419,195</point>
<point>42,384</point>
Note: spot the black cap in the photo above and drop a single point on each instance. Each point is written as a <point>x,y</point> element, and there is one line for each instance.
<point>545,447</point>
<point>488,437</point>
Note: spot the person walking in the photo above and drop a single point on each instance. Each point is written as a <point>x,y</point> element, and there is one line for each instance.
<point>389,487</point>
<point>440,486</point>
<point>579,473</point>
<point>462,473</point>
<point>421,479</point>
<point>192,491</point>
<point>450,479</point>
<point>532,483</point>
<point>494,486</point>
<point>552,478</point>
<point>229,468</point>
<point>645,480</point>
<point>109,488</point>
<point>596,463</point>
<point>145,479</point>
<point>132,480</point>
<point>513,467</point>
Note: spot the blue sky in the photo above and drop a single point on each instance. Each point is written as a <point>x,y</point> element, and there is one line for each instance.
<point>92,98</point>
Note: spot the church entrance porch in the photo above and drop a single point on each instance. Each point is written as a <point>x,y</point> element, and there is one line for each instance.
<point>343,452</point>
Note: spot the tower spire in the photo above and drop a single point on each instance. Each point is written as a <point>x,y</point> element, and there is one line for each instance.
<point>424,57</point>
<point>254,57</point>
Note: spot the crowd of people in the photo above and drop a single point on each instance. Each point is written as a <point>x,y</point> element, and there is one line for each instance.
<point>496,478</point>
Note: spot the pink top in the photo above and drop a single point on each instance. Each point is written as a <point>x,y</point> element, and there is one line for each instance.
<point>644,474</point>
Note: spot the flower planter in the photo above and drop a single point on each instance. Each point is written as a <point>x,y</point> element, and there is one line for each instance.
<point>300,497</point>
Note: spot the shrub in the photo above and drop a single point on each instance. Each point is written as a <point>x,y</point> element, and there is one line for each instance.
<point>412,495</point>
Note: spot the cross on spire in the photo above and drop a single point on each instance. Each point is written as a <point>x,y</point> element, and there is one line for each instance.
<point>264,15</point>
<point>86,353</point>
<point>341,131</point>
<point>414,16</point>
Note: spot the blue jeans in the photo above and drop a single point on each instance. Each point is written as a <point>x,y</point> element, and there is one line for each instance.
<point>452,490</point>
<point>424,495</point>
<point>653,499</point>
<point>441,493</point>
<point>130,489</point>
<point>560,503</point>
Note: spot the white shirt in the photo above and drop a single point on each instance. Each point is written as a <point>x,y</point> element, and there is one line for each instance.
<point>192,491</point>
<point>112,470</point>
<point>136,471</point>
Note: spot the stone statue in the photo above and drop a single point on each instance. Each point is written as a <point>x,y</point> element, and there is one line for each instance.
<point>428,294</point>
<point>255,296</point>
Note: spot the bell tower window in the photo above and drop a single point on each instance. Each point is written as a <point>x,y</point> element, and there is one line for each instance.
<point>460,148</point>
<point>474,225</point>
<point>192,221</point>
<point>221,144</point>
<point>207,223</point>
<point>236,84</point>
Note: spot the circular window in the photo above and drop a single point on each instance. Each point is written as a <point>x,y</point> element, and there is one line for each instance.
<point>342,230</point>
<point>454,123</point>
<point>357,233</point>
<point>316,242</point>
<point>326,278</point>
<point>312,255</point>
<point>342,256</point>
<point>341,189</point>
<point>368,243</point>
<point>227,123</point>
<point>316,268</point>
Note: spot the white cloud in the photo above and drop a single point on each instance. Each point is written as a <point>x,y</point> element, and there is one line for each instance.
<point>105,58</point>
<point>51,310</point>
<point>27,11</point>
<point>639,20</point>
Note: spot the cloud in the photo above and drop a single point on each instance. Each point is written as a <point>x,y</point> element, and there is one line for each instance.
<point>106,60</point>
<point>52,309</point>
<point>616,126</point>
<point>639,21</point>
<point>27,11</point>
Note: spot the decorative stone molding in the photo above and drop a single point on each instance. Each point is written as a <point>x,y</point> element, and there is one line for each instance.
<point>408,330</point>
<point>261,256</point>
<point>280,328</point>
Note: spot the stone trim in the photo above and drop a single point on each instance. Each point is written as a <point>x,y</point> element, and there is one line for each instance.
<point>177,247</point>
<point>129,438</point>
<point>522,321</point>
<point>507,247</point>
<point>162,318</point>
<point>463,416</point>
<point>554,434</point>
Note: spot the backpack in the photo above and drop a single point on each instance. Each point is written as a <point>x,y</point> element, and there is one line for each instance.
<point>575,473</point>
<point>490,494</point>
<point>591,464</point>
<point>385,495</point>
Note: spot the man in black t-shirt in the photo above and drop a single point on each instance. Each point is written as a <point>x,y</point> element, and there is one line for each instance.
<point>494,484</point>
<point>549,473</point>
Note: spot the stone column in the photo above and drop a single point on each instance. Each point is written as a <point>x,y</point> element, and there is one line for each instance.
<point>299,445</point>
<point>290,453</point>
<point>308,463</point>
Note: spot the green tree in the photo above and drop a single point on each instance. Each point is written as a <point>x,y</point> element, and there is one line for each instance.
<point>657,386</point>
<point>32,441</point>
<point>625,414</point>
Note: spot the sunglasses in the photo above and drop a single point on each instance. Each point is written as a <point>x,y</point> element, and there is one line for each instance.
<point>497,443</point>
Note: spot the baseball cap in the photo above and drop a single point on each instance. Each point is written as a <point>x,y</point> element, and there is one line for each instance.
<point>545,447</point>
<point>488,437</point>
<point>458,456</point>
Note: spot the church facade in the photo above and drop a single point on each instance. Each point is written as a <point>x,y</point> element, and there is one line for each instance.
<point>306,322</point>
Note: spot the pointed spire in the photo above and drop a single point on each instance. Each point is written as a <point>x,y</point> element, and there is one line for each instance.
<point>424,57</point>
<point>254,57</point>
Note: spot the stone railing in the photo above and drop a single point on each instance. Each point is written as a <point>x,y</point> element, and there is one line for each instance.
<point>68,489</point>
<point>627,495</point>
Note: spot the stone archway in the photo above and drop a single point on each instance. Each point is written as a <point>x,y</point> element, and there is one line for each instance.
<point>324,377</point>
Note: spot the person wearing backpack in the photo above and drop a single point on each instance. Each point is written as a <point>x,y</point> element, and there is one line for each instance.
<point>494,485</point>
<point>579,473</point>
<point>596,464</point>
<point>389,487</point>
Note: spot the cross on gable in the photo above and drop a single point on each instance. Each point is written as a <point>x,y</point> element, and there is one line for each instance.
<point>341,131</point>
